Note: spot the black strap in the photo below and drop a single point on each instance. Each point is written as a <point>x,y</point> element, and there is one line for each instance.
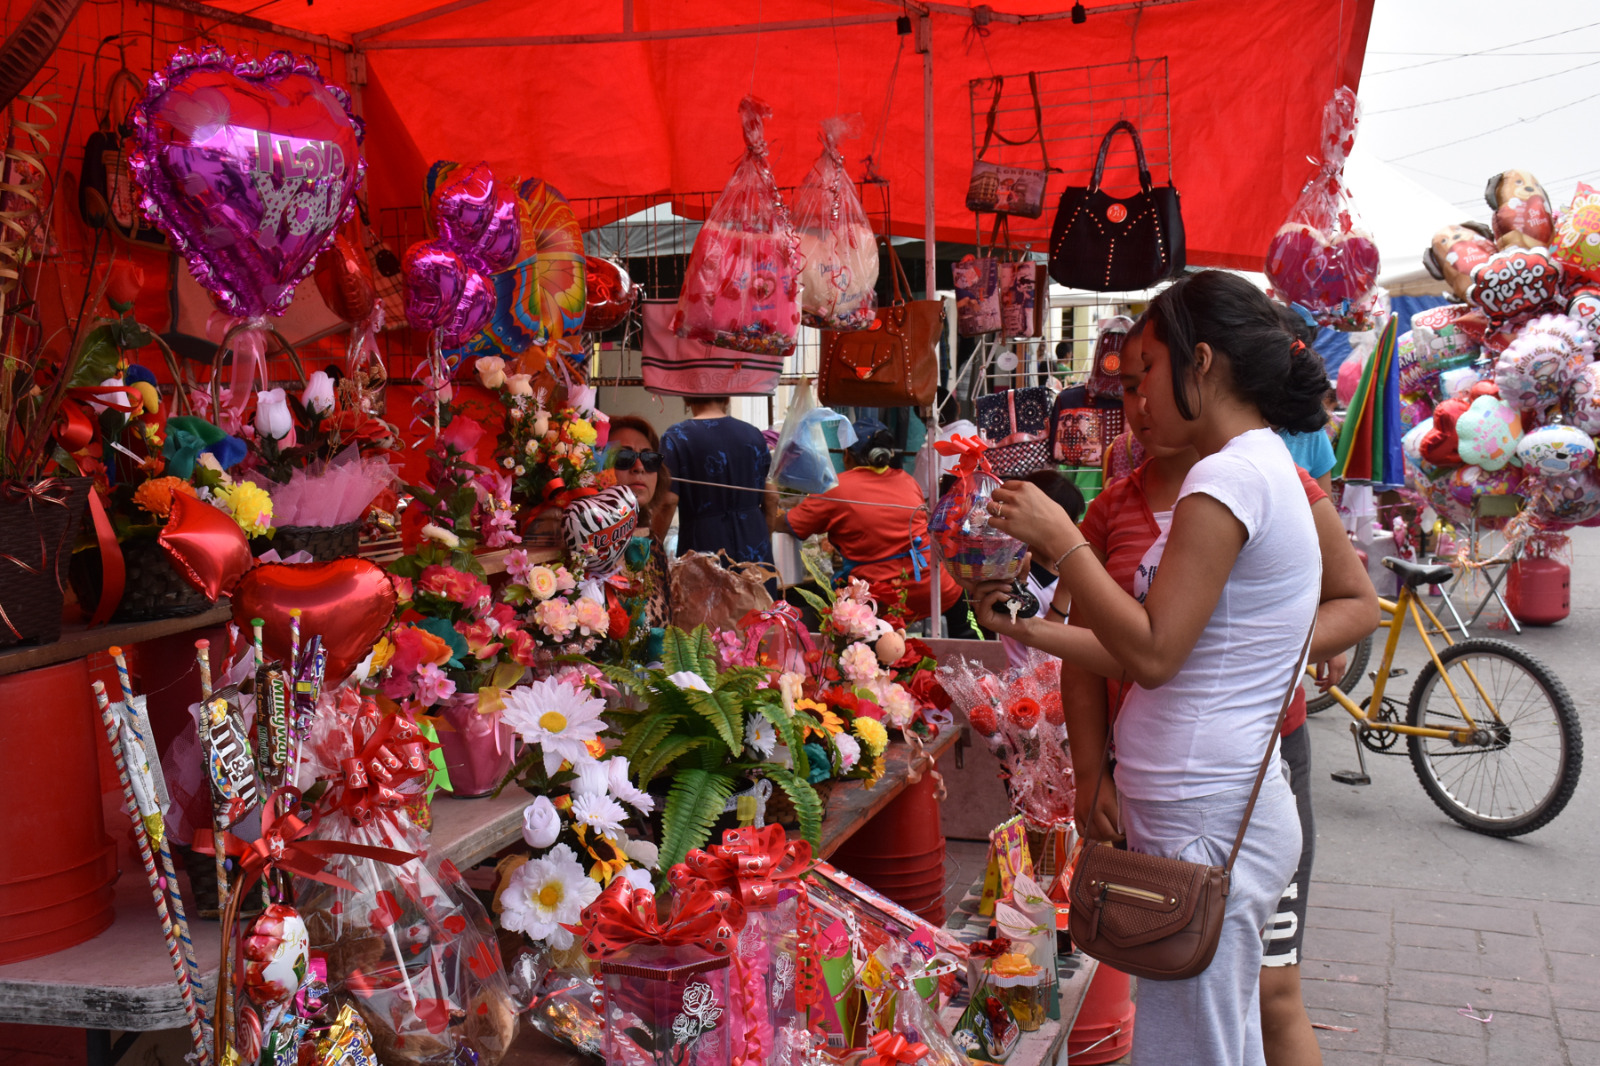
<point>990,133</point>
<point>1105,147</point>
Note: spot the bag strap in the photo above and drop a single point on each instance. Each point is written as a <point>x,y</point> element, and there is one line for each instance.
<point>1105,147</point>
<point>990,133</point>
<point>1272,740</point>
<point>898,275</point>
<point>994,108</point>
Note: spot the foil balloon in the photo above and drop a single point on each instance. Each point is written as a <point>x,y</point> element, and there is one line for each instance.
<point>1555,450</point>
<point>1577,238</point>
<point>276,951</point>
<point>436,279</point>
<point>348,602</point>
<point>250,167</point>
<point>1568,501</point>
<point>476,216</point>
<point>472,310</point>
<point>205,546</point>
<point>1414,377</point>
<point>609,295</point>
<point>1466,485</point>
<point>1584,305</point>
<point>1546,357</point>
<point>1414,412</point>
<point>1411,443</point>
<point>345,280</point>
<point>1583,400</point>
<point>1487,433</point>
<point>1515,281</point>
<point>597,528</point>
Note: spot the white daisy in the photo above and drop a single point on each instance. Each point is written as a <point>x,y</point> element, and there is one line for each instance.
<point>622,787</point>
<point>558,718</point>
<point>593,780</point>
<point>601,813</point>
<point>760,736</point>
<point>689,680</point>
<point>545,894</point>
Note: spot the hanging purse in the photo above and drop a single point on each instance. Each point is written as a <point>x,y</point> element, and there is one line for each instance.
<point>1009,190</point>
<point>1076,437</point>
<point>1016,425</point>
<point>1156,918</point>
<point>892,363</point>
<point>678,366</point>
<point>107,195</point>
<point>1104,244</point>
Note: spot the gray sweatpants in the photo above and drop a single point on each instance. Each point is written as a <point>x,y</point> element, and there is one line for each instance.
<point>1215,1019</point>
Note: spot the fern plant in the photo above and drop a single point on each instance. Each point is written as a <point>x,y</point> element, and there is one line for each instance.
<point>687,721</point>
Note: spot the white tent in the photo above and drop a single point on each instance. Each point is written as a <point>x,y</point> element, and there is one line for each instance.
<point>1402,217</point>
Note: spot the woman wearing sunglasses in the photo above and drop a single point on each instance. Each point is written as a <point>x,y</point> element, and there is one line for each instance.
<point>633,454</point>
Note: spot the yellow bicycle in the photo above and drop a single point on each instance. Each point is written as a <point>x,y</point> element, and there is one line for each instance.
<point>1491,731</point>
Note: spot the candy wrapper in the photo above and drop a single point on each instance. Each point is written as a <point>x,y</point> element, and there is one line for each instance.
<point>1321,257</point>
<point>347,1042</point>
<point>1019,713</point>
<point>741,289</point>
<point>973,550</point>
<point>559,992</point>
<point>839,252</point>
<point>229,763</point>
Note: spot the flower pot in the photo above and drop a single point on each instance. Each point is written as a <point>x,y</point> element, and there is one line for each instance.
<point>478,748</point>
<point>152,589</point>
<point>38,523</point>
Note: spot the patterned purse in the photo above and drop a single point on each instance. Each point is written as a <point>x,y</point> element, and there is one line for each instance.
<point>1016,424</point>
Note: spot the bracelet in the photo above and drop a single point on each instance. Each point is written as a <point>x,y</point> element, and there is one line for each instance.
<point>1056,610</point>
<point>1062,558</point>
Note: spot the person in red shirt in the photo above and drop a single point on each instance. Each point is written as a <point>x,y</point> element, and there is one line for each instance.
<point>1122,524</point>
<point>876,519</point>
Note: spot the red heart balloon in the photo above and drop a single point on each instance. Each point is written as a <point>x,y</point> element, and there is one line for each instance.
<point>205,546</point>
<point>347,602</point>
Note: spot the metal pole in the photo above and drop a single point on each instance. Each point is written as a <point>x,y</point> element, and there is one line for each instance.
<point>930,284</point>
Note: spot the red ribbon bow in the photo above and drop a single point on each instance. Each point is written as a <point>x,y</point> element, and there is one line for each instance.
<point>970,449</point>
<point>368,783</point>
<point>753,864</point>
<point>889,1048</point>
<point>625,916</point>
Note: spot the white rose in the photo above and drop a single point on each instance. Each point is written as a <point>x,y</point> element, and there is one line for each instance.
<point>491,371</point>
<point>541,825</point>
<point>642,852</point>
<point>273,418</point>
<point>519,384</point>
<point>318,394</point>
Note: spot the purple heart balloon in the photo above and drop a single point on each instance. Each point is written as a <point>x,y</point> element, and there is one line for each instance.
<point>472,310</point>
<point>436,278</point>
<point>249,167</point>
<point>477,217</point>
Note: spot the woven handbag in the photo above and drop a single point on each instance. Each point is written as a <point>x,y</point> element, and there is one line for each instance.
<point>892,363</point>
<point>1016,424</point>
<point>1156,918</point>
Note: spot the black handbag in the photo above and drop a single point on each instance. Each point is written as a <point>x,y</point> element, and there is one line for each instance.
<point>1104,244</point>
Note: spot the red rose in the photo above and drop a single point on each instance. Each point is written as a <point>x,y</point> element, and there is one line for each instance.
<point>620,621</point>
<point>926,688</point>
<point>461,435</point>
<point>916,651</point>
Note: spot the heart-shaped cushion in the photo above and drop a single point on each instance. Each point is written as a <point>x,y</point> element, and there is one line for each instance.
<point>250,167</point>
<point>348,602</point>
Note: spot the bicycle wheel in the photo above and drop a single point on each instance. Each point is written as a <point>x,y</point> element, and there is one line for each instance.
<point>1354,671</point>
<point>1524,766</point>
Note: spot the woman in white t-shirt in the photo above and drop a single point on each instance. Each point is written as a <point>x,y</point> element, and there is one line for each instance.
<point>1214,645</point>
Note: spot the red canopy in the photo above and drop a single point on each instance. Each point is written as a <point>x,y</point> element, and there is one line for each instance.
<point>638,98</point>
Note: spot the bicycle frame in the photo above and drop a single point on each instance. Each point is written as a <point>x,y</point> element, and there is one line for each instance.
<point>1410,605</point>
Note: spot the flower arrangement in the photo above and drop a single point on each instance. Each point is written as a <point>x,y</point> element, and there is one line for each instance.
<point>545,452</point>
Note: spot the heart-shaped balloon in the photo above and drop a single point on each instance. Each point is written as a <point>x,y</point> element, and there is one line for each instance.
<point>249,166</point>
<point>477,217</point>
<point>598,528</point>
<point>609,297</point>
<point>345,280</point>
<point>1515,281</point>
<point>348,602</point>
<point>205,546</point>
<point>1318,272</point>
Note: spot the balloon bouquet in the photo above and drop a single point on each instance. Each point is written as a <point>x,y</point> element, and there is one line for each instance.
<point>1501,393</point>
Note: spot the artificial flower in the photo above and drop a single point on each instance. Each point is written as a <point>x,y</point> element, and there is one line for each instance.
<point>876,771</point>
<point>821,767</point>
<point>461,435</point>
<point>382,653</point>
<point>556,617</point>
<point>491,371</point>
<point>541,825</point>
<point>273,417</point>
<point>541,581</point>
<point>582,431</point>
<point>689,681</point>
<point>403,588</point>
<point>854,621</point>
<point>565,582</point>
<point>519,384</point>
<point>622,786</point>
<point>156,494</point>
<point>791,685</point>
<point>899,707</point>
<point>415,648</point>
<point>519,645</point>
<point>451,584</point>
<point>438,533</point>
<point>601,813</point>
<point>827,721</point>
<point>516,563</point>
<point>541,423</point>
<point>434,685</point>
<point>479,636</point>
<point>500,527</point>
<point>593,780</point>
<point>871,734</point>
<point>620,622</point>
<point>856,591</point>
<point>559,718</point>
<point>318,393</point>
<point>546,894</point>
<point>926,688</point>
<point>858,663</point>
<point>591,616</point>
<point>849,751</point>
<point>760,736</point>
<point>642,852</point>
<point>639,879</point>
<point>250,505</point>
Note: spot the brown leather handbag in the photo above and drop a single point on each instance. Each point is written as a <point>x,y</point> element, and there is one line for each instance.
<point>892,363</point>
<point>1157,918</point>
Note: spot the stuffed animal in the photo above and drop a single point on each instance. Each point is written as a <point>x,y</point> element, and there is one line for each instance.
<point>1455,250</point>
<point>1522,217</point>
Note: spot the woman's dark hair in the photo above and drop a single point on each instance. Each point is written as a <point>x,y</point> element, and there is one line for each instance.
<point>876,450</point>
<point>1061,490</point>
<point>1270,366</point>
<point>664,477</point>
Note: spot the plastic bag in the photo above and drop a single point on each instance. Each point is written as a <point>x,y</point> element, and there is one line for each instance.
<point>1321,258</point>
<point>838,251</point>
<point>741,290</point>
<point>801,462</point>
<point>717,592</point>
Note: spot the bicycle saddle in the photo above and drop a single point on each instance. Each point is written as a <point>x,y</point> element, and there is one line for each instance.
<point>1415,575</point>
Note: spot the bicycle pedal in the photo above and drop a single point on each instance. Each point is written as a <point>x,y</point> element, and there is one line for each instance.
<point>1351,777</point>
<point>1399,671</point>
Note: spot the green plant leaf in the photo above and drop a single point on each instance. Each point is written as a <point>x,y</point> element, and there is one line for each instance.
<point>623,677</point>
<point>677,653</point>
<point>723,711</point>
<point>821,605</point>
<point>693,806</point>
<point>807,804</point>
<point>784,723</point>
<point>705,654</point>
<point>644,736</point>
<point>822,580</point>
<point>657,762</point>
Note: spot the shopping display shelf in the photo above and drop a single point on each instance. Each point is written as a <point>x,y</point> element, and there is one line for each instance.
<point>78,640</point>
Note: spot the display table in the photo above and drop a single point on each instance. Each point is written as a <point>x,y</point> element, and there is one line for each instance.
<point>78,640</point>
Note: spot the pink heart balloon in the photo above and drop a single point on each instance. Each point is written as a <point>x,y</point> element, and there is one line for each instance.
<point>249,166</point>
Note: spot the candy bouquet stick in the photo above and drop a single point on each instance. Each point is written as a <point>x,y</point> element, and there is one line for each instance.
<point>183,966</point>
<point>202,654</point>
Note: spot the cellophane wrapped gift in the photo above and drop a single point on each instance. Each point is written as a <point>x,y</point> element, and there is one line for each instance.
<point>742,286</point>
<point>972,549</point>
<point>1321,257</point>
<point>410,945</point>
<point>561,995</point>
<point>838,251</point>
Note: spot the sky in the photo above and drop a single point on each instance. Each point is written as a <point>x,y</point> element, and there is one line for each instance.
<point>1455,91</point>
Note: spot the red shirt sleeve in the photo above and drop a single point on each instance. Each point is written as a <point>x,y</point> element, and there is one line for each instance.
<point>1313,490</point>
<point>814,514</point>
<point>1093,526</point>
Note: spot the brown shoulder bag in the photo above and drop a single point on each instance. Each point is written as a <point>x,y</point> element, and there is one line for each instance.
<point>1156,918</point>
<point>892,363</point>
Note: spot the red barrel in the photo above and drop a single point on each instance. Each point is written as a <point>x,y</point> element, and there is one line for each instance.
<point>1104,1029</point>
<point>57,865</point>
<point>1539,591</point>
<point>900,852</point>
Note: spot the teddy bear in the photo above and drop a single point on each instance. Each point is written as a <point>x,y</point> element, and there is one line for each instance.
<point>1454,251</point>
<point>1522,216</point>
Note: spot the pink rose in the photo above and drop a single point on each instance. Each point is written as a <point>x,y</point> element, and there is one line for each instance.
<point>520,646</point>
<point>451,584</point>
<point>479,637</point>
<point>461,435</point>
<point>402,588</point>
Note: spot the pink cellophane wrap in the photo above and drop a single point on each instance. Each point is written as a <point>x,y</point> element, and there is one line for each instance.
<point>339,493</point>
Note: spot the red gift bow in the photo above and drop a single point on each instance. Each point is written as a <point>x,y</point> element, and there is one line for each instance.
<point>889,1048</point>
<point>754,864</point>
<point>368,783</point>
<point>970,449</point>
<point>624,916</point>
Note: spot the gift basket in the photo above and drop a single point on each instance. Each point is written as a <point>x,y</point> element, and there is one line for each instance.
<point>973,550</point>
<point>838,251</point>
